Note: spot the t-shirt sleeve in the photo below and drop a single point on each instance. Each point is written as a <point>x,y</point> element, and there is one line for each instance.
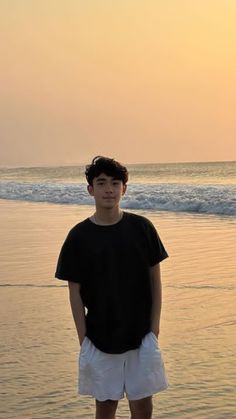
<point>68,266</point>
<point>156,249</point>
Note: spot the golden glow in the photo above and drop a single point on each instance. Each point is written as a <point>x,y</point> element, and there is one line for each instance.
<point>143,82</point>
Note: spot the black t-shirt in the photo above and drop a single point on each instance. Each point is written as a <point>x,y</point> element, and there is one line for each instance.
<point>112,264</point>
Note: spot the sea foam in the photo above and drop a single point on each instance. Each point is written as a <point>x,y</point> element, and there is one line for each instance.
<point>202,199</point>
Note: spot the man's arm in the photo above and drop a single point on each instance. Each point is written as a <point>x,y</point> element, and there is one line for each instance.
<point>155,275</point>
<point>77,309</point>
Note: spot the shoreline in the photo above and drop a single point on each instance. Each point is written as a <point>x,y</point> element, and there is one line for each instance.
<point>39,346</point>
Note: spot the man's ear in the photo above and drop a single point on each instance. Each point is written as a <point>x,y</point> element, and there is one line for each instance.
<point>124,189</point>
<point>90,190</point>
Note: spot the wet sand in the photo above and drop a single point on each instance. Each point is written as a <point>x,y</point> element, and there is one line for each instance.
<point>39,347</point>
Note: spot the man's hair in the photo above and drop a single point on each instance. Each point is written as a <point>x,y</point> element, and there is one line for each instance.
<point>109,167</point>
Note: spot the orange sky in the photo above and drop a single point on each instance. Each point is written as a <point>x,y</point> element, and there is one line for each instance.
<point>139,81</point>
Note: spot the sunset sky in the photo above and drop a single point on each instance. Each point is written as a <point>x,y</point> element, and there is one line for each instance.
<point>141,81</point>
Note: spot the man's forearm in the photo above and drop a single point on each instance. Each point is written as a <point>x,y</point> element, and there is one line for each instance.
<point>156,299</point>
<point>78,310</point>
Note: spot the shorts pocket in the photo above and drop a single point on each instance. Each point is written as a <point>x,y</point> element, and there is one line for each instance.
<point>84,349</point>
<point>154,338</point>
<point>87,351</point>
<point>150,354</point>
<point>84,344</point>
<point>150,341</point>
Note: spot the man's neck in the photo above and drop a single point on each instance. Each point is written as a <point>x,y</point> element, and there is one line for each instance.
<point>107,217</point>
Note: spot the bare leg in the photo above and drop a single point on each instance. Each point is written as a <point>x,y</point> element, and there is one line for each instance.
<point>141,409</point>
<point>106,409</point>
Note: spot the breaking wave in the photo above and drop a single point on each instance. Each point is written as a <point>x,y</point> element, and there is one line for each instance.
<point>202,199</point>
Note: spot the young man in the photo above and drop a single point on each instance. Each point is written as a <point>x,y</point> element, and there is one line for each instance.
<point>112,264</point>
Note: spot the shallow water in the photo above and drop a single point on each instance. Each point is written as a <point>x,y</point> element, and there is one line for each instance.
<point>39,348</point>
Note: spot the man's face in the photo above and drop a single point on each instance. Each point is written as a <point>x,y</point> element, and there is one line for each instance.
<point>107,191</point>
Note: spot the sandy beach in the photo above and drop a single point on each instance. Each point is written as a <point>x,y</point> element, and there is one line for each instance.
<point>39,347</point>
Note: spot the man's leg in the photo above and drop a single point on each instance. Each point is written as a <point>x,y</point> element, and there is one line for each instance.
<point>141,409</point>
<point>106,409</point>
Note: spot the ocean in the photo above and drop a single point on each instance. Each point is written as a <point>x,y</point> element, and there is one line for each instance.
<point>193,207</point>
<point>204,188</point>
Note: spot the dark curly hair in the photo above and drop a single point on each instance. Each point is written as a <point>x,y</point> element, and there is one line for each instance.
<point>108,166</point>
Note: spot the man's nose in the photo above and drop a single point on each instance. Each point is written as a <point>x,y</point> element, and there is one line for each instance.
<point>109,188</point>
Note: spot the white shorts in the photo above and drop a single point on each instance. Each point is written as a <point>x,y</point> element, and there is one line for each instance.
<point>137,373</point>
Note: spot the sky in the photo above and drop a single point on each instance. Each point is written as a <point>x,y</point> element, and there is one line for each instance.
<point>139,81</point>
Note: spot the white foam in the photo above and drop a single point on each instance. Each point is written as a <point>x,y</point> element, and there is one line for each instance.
<point>207,199</point>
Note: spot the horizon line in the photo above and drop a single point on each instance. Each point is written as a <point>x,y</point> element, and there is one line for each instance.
<point>128,164</point>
